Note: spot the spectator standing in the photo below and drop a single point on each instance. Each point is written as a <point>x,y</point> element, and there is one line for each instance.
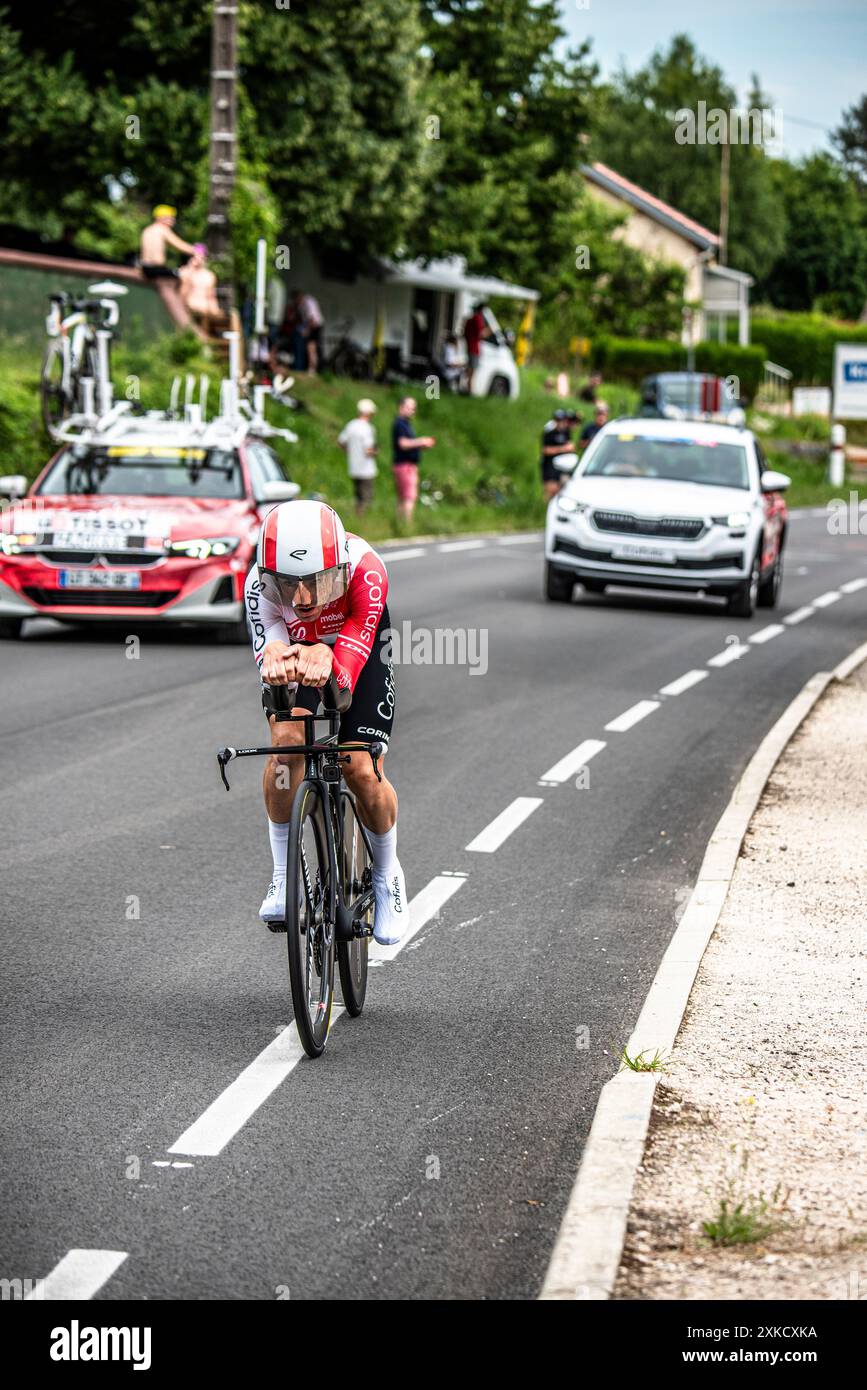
<point>600,418</point>
<point>155,238</point>
<point>309,317</point>
<point>589,389</point>
<point>475,329</point>
<point>406,452</point>
<point>199,291</point>
<point>556,440</point>
<point>357,439</point>
<point>451,362</point>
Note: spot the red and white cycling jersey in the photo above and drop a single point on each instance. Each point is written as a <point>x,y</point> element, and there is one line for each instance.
<point>348,625</point>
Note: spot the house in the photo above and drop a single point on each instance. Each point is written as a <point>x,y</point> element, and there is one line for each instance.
<point>659,230</point>
<point>407,307</point>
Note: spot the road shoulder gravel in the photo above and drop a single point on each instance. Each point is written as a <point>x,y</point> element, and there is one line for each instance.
<point>758,1119</point>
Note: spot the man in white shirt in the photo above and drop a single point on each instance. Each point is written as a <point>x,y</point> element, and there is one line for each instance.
<point>358,442</point>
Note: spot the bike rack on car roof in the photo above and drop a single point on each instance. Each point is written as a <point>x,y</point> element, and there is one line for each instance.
<point>237,416</point>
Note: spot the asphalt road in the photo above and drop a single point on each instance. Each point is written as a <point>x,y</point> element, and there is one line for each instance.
<point>431,1151</point>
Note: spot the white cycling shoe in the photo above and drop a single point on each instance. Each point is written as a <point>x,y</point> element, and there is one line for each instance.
<point>273,908</point>
<point>391,916</point>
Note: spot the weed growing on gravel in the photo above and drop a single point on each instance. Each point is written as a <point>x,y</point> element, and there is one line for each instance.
<point>741,1222</point>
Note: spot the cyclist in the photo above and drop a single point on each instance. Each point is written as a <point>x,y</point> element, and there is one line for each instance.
<point>316,607</point>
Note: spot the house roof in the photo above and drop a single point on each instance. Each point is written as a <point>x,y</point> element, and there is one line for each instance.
<point>661,212</point>
<point>451,274</point>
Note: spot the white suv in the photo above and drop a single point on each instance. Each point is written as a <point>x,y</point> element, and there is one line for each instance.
<point>669,505</point>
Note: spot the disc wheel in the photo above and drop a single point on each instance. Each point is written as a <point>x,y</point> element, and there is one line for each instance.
<point>309,932</point>
<point>355,875</point>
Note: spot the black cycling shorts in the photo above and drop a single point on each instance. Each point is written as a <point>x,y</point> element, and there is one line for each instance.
<point>371,714</point>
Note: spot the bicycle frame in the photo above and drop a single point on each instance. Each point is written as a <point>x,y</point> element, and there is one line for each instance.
<point>322,758</point>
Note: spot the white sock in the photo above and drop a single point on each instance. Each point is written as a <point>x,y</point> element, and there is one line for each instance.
<point>279,837</point>
<point>383,848</point>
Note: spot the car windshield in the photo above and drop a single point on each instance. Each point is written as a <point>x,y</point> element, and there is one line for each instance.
<point>140,471</point>
<point>676,460</point>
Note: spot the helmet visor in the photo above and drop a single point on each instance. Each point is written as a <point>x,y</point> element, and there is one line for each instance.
<point>309,590</point>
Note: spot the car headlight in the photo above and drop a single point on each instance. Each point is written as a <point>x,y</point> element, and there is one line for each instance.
<point>14,543</point>
<point>735,521</point>
<point>206,548</point>
<point>569,504</point>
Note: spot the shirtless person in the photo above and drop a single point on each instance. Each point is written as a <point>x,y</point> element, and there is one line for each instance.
<point>199,291</point>
<point>155,239</point>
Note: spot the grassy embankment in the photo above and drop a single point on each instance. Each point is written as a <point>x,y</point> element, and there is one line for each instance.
<point>482,475</point>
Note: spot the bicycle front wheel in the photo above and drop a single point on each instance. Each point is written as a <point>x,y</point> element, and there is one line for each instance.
<point>355,872</point>
<point>309,931</point>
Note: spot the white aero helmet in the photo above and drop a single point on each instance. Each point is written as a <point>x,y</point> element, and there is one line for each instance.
<point>303,547</point>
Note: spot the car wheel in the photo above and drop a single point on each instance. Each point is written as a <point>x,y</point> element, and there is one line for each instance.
<point>499,387</point>
<point>593,586</point>
<point>742,603</point>
<point>10,629</point>
<point>769,589</point>
<point>559,583</point>
<point>234,634</point>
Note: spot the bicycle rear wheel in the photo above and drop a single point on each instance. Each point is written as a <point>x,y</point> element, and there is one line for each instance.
<point>355,881</point>
<point>310,934</point>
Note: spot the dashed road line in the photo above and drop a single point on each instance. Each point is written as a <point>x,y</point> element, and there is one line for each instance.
<point>518,540</point>
<point>684,682</point>
<point>461,545</point>
<point>824,600</point>
<point>410,554</point>
<point>625,721</point>
<point>766,634</point>
<point>799,615</point>
<point>733,652</point>
<point>424,906</point>
<point>79,1275</point>
<point>574,761</point>
<point>853,586</point>
<point>504,824</point>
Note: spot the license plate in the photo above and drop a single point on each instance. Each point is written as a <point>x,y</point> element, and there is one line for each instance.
<point>650,554</point>
<point>88,540</point>
<point>99,579</point>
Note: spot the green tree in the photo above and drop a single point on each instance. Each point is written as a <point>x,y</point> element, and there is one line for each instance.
<point>634,133</point>
<point>823,264</point>
<point>850,141</point>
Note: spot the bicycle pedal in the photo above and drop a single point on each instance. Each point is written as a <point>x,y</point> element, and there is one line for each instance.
<point>361,929</point>
<point>276,926</point>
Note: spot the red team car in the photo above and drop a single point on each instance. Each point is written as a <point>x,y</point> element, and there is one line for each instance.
<point>152,518</point>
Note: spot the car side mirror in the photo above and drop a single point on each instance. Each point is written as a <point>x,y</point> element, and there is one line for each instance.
<point>775,482</point>
<point>278,491</point>
<point>14,485</point>
<point>565,463</point>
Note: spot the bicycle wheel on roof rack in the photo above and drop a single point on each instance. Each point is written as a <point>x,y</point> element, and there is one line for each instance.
<point>310,934</point>
<point>55,399</point>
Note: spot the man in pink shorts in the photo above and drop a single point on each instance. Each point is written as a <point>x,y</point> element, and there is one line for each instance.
<point>406,451</point>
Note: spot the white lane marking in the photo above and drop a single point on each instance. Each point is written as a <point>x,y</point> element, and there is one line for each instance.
<point>211,1132</point>
<point>80,1274</point>
<point>422,908</point>
<point>853,586</point>
<point>573,762</point>
<point>825,599</point>
<point>684,683</point>
<point>411,554</point>
<point>502,826</point>
<point>632,716</point>
<point>733,652</point>
<point>765,634</point>
<point>799,615</point>
<point>462,545</point>
<point>519,540</point>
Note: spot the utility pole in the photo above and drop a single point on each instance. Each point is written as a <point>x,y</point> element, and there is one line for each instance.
<point>725,167</point>
<point>223,140</point>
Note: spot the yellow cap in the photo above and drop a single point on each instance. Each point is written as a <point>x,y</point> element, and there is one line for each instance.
<point>164,210</point>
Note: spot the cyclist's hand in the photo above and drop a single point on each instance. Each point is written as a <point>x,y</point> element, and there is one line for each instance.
<point>313,664</point>
<point>278,663</point>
